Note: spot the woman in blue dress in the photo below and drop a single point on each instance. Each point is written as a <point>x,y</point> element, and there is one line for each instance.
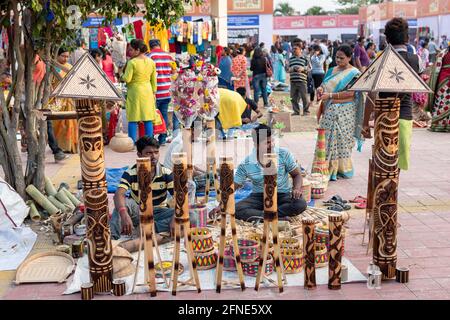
<point>279,62</point>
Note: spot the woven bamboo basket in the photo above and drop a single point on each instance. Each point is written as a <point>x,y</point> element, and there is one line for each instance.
<point>306,189</point>
<point>248,249</point>
<point>251,268</point>
<point>229,262</point>
<point>206,260</point>
<point>290,243</point>
<point>201,239</point>
<point>293,260</point>
<point>321,258</point>
<point>317,190</point>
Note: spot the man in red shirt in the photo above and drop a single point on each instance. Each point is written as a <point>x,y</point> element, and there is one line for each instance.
<point>164,72</point>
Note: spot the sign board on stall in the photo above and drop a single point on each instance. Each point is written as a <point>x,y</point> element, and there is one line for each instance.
<point>241,20</point>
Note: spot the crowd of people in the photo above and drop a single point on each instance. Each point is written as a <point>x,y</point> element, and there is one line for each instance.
<point>318,72</point>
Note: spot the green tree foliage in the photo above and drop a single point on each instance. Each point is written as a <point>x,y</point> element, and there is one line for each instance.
<point>42,26</point>
<point>352,6</point>
<point>284,9</point>
<point>316,11</point>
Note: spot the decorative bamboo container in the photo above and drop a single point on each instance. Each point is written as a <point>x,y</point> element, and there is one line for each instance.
<point>87,291</point>
<point>202,240</point>
<point>321,256</point>
<point>249,250</point>
<point>290,243</point>
<point>118,287</point>
<point>251,268</point>
<point>206,260</point>
<point>293,260</point>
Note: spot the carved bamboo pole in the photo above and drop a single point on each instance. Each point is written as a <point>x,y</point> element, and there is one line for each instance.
<point>310,253</point>
<point>385,185</point>
<point>144,175</point>
<point>95,194</point>
<point>270,218</point>
<point>335,251</point>
<point>182,220</point>
<point>228,206</point>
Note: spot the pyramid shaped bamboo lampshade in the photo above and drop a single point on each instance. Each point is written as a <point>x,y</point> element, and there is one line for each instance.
<point>390,73</point>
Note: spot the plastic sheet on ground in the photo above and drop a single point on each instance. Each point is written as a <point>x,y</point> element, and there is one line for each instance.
<point>15,245</point>
<point>207,277</point>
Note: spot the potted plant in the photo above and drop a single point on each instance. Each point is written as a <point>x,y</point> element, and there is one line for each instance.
<point>279,126</point>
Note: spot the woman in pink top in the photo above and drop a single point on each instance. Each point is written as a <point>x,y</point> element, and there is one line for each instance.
<point>108,65</point>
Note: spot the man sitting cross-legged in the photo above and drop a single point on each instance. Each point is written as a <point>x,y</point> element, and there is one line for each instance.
<point>125,217</point>
<point>290,200</point>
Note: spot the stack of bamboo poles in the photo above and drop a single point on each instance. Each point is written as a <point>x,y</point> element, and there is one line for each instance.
<point>54,202</point>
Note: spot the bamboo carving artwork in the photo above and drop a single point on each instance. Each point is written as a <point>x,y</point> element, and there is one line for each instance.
<point>211,165</point>
<point>335,251</point>
<point>144,175</point>
<point>180,178</point>
<point>385,185</point>
<point>310,253</point>
<point>95,194</point>
<point>270,219</point>
<point>227,206</point>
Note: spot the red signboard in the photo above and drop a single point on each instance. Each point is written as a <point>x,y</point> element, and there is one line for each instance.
<point>303,22</point>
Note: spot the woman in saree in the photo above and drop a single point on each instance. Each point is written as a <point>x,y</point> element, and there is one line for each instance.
<point>439,100</point>
<point>65,131</point>
<point>340,114</point>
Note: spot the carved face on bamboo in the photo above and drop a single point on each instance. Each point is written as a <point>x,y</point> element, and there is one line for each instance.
<point>388,133</point>
<point>98,233</point>
<point>180,188</point>
<point>145,183</point>
<point>91,144</point>
<point>386,224</point>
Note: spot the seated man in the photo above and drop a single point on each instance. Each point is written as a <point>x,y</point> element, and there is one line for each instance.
<point>125,217</point>
<point>290,200</point>
<point>248,121</point>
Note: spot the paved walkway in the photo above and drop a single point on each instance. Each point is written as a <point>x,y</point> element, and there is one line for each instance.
<point>424,217</point>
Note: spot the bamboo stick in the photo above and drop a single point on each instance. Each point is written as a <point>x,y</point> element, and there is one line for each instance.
<point>42,200</point>
<point>62,197</point>
<point>49,187</point>
<point>34,213</point>
<point>71,197</point>
<point>58,204</point>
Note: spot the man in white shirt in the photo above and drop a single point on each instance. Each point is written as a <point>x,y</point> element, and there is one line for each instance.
<point>432,49</point>
<point>78,53</point>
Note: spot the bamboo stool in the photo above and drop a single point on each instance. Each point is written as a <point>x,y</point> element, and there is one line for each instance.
<point>180,176</point>
<point>270,218</point>
<point>227,205</point>
<point>147,226</point>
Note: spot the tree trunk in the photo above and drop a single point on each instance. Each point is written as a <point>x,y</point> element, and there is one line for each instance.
<point>11,161</point>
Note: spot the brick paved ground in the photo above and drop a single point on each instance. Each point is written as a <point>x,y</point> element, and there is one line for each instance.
<point>424,217</point>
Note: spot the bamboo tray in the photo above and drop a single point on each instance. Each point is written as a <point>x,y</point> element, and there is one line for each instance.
<point>45,267</point>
